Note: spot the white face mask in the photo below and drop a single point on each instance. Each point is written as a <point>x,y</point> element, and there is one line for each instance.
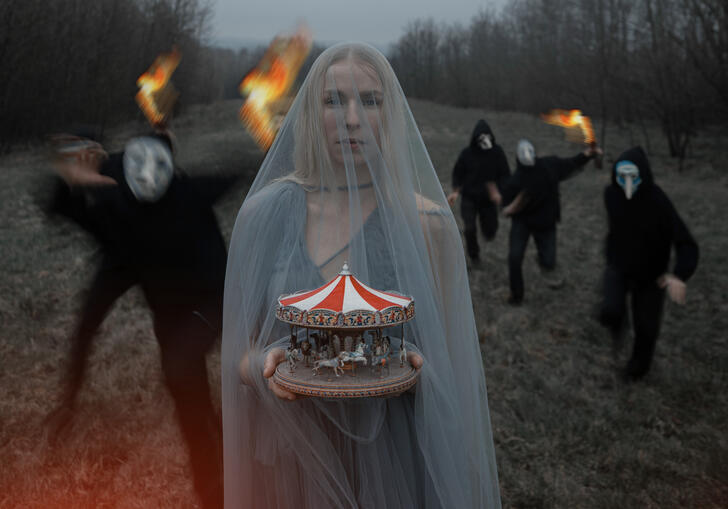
<point>485,141</point>
<point>628,177</point>
<point>525,153</point>
<point>148,168</point>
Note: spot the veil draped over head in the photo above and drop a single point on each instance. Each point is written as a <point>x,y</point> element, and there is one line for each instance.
<point>348,178</point>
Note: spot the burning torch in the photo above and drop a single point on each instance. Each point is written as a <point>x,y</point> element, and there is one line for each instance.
<point>266,86</point>
<point>578,128</point>
<point>157,95</point>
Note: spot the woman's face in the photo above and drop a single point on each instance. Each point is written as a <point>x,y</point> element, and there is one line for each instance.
<point>352,100</point>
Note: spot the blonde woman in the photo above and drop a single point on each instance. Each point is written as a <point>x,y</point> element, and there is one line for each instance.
<point>349,179</point>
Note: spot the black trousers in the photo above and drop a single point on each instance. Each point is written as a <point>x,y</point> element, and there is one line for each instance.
<point>472,209</point>
<point>647,301</point>
<point>184,340</point>
<point>518,241</point>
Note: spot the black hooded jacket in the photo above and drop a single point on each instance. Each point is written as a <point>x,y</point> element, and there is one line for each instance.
<point>540,183</point>
<point>643,229</point>
<point>476,166</point>
<point>173,248</point>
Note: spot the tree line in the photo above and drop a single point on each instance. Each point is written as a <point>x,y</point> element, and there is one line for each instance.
<point>74,62</point>
<point>64,62</point>
<point>623,61</point>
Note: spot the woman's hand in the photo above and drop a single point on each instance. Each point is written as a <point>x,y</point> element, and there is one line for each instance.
<point>452,197</point>
<point>272,359</point>
<point>415,359</point>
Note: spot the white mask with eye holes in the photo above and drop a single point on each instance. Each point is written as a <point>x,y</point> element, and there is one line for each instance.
<point>628,177</point>
<point>485,141</point>
<point>525,153</point>
<point>148,168</point>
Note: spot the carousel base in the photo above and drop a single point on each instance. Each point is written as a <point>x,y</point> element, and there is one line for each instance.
<point>362,383</point>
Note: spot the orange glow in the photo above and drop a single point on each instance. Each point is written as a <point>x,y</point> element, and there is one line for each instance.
<point>579,127</point>
<point>156,94</point>
<point>266,86</point>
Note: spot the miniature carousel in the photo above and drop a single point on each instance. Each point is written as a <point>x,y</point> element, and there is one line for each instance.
<point>337,347</point>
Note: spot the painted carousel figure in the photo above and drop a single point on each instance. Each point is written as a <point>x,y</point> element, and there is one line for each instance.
<point>346,307</point>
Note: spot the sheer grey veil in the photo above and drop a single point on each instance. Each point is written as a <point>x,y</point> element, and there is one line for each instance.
<point>348,178</point>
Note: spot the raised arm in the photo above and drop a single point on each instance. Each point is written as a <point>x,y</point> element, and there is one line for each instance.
<point>570,166</point>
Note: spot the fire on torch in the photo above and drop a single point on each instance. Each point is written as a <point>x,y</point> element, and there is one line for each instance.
<point>266,86</point>
<point>157,95</point>
<point>578,127</point>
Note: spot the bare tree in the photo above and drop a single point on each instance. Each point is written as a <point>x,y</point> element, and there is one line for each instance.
<point>622,61</point>
<point>76,61</point>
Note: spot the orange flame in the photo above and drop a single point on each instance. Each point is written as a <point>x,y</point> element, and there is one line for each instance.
<point>267,85</point>
<point>156,94</point>
<point>579,127</point>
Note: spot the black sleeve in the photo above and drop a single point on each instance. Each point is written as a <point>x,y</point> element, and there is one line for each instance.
<point>686,249</point>
<point>458,172</point>
<point>570,166</point>
<point>504,171</point>
<point>88,206</point>
<point>512,187</point>
<point>57,198</point>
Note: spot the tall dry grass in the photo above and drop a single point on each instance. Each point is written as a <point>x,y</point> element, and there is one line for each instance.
<point>568,432</point>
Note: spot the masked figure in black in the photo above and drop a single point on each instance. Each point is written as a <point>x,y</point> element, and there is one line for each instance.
<point>156,228</point>
<point>478,176</point>
<point>531,198</point>
<point>643,228</point>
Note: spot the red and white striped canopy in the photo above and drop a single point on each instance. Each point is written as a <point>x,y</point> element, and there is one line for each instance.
<point>345,301</point>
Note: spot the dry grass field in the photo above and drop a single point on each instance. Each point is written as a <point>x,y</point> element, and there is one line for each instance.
<point>568,432</point>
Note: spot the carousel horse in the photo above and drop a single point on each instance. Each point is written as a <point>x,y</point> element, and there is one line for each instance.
<point>336,363</point>
<point>354,358</point>
<point>380,361</point>
<point>292,355</point>
<point>306,351</point>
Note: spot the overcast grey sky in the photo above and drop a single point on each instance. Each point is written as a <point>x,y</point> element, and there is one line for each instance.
<point>379,22</point>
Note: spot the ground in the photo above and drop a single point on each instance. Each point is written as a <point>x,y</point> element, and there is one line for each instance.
<point>567,431</point>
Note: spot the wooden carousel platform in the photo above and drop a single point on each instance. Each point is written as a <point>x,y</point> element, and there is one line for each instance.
<point>360,384</point>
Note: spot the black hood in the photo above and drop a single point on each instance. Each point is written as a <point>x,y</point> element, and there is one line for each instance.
<point>638,157</point>
<point>481,127</point>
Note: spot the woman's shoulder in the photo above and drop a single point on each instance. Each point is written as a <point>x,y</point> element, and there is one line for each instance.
<point>272,203</point>
<point>429,207</point>
<point>434,218</point>
<point>273,193</point>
